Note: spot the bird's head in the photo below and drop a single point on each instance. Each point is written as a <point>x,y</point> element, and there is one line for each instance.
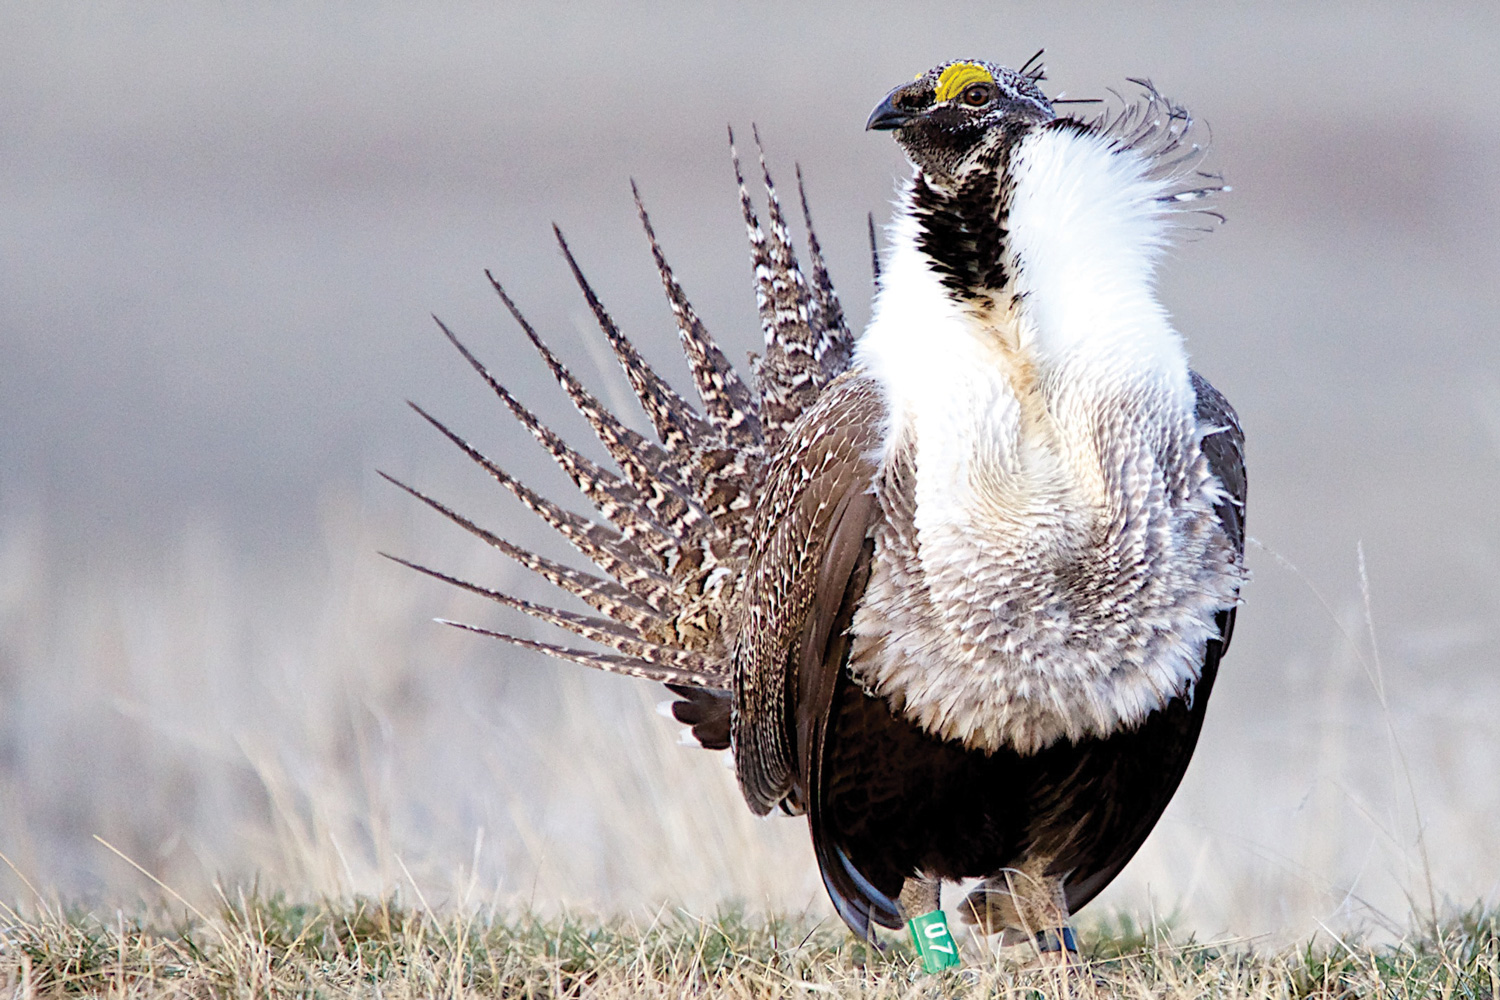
<point>950,117</point>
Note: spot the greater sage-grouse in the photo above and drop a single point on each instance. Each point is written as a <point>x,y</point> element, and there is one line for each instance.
<point>955,589</point>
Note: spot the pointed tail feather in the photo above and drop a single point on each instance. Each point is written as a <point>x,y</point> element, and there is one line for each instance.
<point>604,631</point>
<point>602,545</point>
<point>789,374</point>
<point>643,461</point>
<point>664,500</point>
<point>672,540</point>
<point>620,502</point>
<point>677,424</point>
<point>795,337</point>
<point>835,345</point>
<point>608,662</point>
<point>760,255</point>
<point>728,402</point>
<point>604,596</point>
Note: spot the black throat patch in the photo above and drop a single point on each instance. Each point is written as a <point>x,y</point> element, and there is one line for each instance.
<point>963,228</point>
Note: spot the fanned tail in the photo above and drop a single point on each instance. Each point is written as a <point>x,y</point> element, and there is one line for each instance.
<point>807,343</point>
<point>669,504</point>
<point>728,401</point>
<point>596,542</point>
<point>621,503</point>
<point>835,345</point>
<point>677,424</point>
<point>677,666</point>
<point>602,595</point>
<point>672,534</point>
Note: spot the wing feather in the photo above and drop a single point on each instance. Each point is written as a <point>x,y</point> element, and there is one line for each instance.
<point>1224,448</point>
<point>810,523</point>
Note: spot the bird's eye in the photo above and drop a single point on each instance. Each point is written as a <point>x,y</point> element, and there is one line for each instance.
<point>977,95</point>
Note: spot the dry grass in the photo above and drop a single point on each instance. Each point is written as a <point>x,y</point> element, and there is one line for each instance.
<point>302,727</point>
<point>304,724</point>
<point>268,947</point>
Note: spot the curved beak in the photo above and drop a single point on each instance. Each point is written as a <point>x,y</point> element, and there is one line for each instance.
<point>887,116</point>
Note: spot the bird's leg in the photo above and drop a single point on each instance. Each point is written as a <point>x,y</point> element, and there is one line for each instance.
<point>1042,908</point>
<point>921,903</point>
<point>990,908</point>
<point>1025,904</point>
<point>919,895</point>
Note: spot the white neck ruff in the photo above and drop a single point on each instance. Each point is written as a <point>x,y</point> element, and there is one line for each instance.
<point>1047,423</point>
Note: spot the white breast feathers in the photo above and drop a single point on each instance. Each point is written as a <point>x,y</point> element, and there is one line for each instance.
<point>1050,564</point>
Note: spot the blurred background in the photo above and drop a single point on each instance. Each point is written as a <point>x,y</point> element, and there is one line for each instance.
<point>225,226</point>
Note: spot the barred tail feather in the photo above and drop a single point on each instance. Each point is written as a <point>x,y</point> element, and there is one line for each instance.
<point>662,500</point>
<point>791,374</point>
<point>608,662</point>
<point>604,631</point>
<point>641,456</point>
<point>728,402</point>
<point>677,424</point>
<point>619,502</point>
<point>760,258</point>
<point>835,346</point>
<point>602,546</point>
<point>795,338</point>
<point>604,596</point>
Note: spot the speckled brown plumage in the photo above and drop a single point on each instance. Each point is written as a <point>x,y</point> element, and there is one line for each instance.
<point>677,532</point>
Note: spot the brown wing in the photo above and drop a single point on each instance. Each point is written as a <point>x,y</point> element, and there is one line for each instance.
<point>810,524</point>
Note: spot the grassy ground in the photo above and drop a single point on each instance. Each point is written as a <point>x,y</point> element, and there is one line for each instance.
<point>256,946</point>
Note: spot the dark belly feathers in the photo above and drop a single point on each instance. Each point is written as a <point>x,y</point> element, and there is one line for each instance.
<point>897,800</point>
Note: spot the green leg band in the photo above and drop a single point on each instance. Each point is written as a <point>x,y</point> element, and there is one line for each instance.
<point>929,933</point>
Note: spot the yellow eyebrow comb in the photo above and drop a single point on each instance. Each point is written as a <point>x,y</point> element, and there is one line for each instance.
<point>958,77</point>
